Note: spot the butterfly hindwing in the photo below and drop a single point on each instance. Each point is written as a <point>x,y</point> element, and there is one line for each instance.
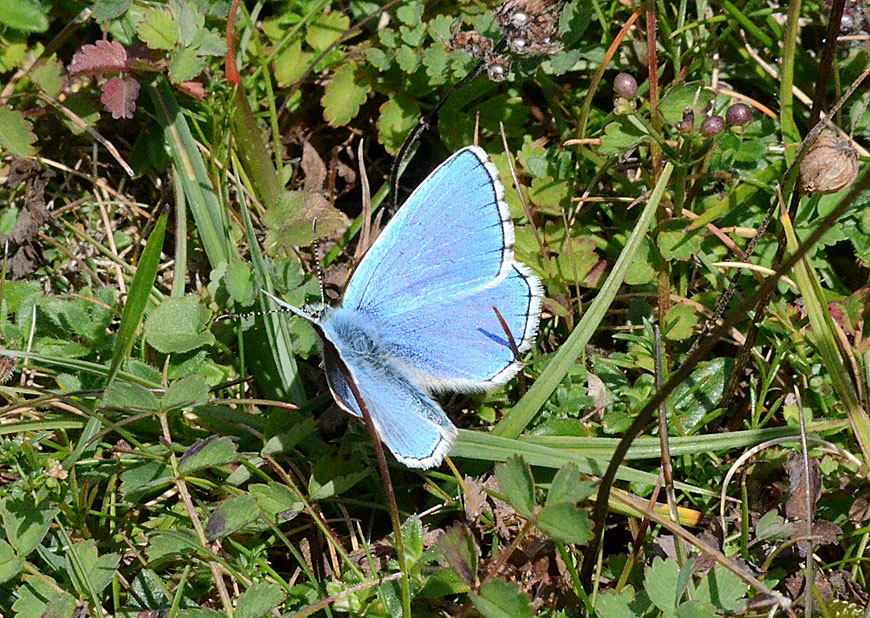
<point>407,419</point>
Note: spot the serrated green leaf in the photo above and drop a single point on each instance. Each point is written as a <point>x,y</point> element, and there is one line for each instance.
<point>660,583</point>
<point>158,29</point>
<point>517,485</point>
<point>41,597</point>
<point>185,65</point>
<point>681,321</point>
<point>411,13</point>
<point>23,16</point>
<point>565,522</point>
<point>619,136</point>
<point>276,500</point>
<point>89,571</point>
<point>408,59</point>
<point>568,486</point>
<point>460,551</point>
<point>25,522</point>
<point>501,599</point>
<point>233,514</point>
<point>240,283</point>
<point>259,600</point>
<point>612,604</point>
<point>435,59</point>
<point>379,58</point>
<point>208,453</point>
<point>187,392</point>
<point>696,609</point>
<point>178,325</point>
<point>15,133</point>
<point>676,242</point>
<point>397,117</point>
<point>723,589</point>
<point>326,29</point>
<point>345,94</point>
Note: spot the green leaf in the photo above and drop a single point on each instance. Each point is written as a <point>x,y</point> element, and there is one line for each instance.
<point>698,394</point>
<point>178,325</point>
<point>10,564</point>
<point>26,522</point>
<point>676,242</point>
<point>379,58</point>
<point>619,136</point>
<point>211,452</point>
<point>188,392</point>
<point>49,75</point>
<point>145,477</point>
<point>412,535</point>
<point>565,522</point>
<point>611,604</point>
<point>239,282</point>
<point>660,583</point>
<point>137,299</point>
<point>501,599</point>
<point>170,543</point>
<point>334,474</point>
<point>684,96</point>
<point>198,612</point>
<point>23,16</point>
<point>289,220</point>
<point>158,30</point>
<point>410,14</point>
<point>345,94</point>
<point>291,64</point>
<point>397,117</point>
<point>89,571</point>
<point>259,600</point>
<point>185,65</point>
<point>130,397</point>
<point>106,10</point>
<point>723,589</point>
<point>681,321</point>
<point>38,597</point>
<point>568,486</point>
<point>276,501</point>
<point>696,609</point>
<point>518,486</point>
<point>460,551</point>
<point>15,133</point>
<point>408,59</point>
<point>443,583</point>
<point>233,514</point>
<point>326,29</point>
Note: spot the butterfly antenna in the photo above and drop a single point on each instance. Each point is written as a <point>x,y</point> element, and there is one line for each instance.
<point>317,267</point>
<point>250,314</point>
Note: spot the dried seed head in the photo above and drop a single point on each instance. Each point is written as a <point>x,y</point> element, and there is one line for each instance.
<point>830,166</point>
<point>687,123</point>
<point>625,85</point>
<point>712,125</point>
<point>472,42</point>
<point>497,67</point>
<point>531,26</point>
<point>738,115</point>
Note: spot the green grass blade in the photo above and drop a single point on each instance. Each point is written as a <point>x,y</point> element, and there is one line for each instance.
<point>824,335</point>
<point>137,299</point>
<point>202,200</point>
<point>516,420</point>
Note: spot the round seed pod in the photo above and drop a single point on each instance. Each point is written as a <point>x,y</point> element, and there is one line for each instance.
<point>830,166</point>
<point>738,115</point>
<point>712,125</point>
<point>625,85</point>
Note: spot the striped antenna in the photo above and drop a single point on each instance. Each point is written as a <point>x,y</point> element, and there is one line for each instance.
<point>317,267</point>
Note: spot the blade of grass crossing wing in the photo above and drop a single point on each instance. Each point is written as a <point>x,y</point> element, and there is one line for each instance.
<point>206,208</point>
<point>279,337</point>
<point>824,334</point>
<point>516,420</point>
<point>137,299</point>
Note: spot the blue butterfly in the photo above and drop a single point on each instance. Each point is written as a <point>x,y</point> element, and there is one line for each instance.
<point>417,317</point>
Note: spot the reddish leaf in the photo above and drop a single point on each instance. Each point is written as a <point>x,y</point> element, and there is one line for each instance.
<point>98,59</point>
<point>119,96</point>
<point>192,89</point>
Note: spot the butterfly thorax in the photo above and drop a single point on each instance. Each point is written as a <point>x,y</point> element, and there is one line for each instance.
<point>352,331</point>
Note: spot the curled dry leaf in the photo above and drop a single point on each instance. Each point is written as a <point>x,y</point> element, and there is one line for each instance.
<point>830,166</point>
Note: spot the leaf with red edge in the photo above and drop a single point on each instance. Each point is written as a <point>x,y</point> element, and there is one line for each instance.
<point>119,96</point>
<point>98,59</point>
